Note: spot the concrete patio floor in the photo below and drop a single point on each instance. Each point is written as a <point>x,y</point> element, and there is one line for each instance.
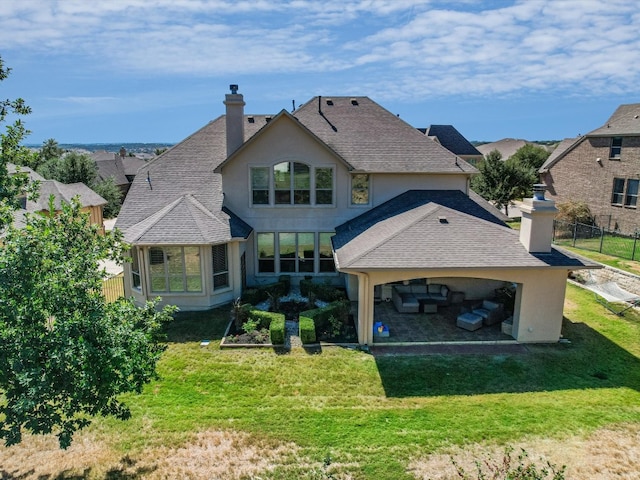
<point>431,327</point>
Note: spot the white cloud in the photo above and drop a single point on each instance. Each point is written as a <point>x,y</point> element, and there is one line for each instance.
<point>431,47</point>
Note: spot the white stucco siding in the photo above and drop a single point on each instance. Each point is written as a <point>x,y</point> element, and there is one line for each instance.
<point>387,186</point>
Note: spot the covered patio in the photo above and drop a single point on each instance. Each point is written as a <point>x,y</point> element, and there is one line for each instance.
<point>439,327</point>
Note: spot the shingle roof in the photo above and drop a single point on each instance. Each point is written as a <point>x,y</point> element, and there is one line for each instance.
<point>185,169</point>
<point>111,167</point>
<point>507,147</point>
<point>374,140</point>
<point>64,193</point>
<point>451,139</point>
<point>624,121</point>
<point>431,235</point>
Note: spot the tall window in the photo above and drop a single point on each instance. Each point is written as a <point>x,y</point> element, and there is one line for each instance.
<point>266,253</point>
<point>260,185</point>
<point>626,190</point>
<point>295,252</point>
<point>616,147</point>
<point>324,186</point>
<point>631,198</point>
<point>292,183</point>
<point>618,191</point>
<point>135,269</point>
<point>175,269</point>
<point>360,189</point>
<point>325,253</point>
<point>220,266</point>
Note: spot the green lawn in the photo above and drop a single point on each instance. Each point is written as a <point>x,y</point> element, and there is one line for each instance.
<point>373,415</point>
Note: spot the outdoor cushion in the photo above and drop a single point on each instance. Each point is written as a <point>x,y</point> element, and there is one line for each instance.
<point>435,288</point>
<point>469,321</point>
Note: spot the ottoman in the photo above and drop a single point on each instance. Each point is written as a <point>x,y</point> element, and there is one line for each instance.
<point>469,321</point>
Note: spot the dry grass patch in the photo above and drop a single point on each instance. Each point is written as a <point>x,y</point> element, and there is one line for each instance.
<point>210,455</point>
<point>607,454</point>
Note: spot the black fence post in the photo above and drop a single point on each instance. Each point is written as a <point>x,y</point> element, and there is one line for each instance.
<point>601,239</point>
<point>635,241</point>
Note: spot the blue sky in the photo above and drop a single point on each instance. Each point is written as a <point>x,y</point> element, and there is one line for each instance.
<point>157,70</point>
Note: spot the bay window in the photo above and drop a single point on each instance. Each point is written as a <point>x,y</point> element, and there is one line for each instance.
<point>175,269</point>
<point>220,264</point>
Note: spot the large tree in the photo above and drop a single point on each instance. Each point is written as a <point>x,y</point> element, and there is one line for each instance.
<point>12,187</point>
<point>65,354</point>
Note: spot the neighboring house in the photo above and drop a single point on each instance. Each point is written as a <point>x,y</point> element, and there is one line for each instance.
<point>454,141</point>
<point>507,147</point>
<point>340,190</point>
<point>112,165</point>
<point>602,169</point>
<point>91,202</point>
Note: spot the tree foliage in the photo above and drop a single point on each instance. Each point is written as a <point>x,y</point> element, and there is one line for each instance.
<point>108,190</point>
<point>502,182</point>
<point>65,354</point>
<point>11,151</point>
<point>73,167</point>
<point>573,212</point>
<point>532,156</point>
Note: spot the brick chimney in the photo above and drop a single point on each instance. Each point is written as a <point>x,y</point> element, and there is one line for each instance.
<point>235,119</point>
<point>536,228</point>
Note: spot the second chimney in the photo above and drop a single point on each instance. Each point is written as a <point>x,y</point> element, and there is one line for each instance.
<point>235,119</point>
<point>536,227</point>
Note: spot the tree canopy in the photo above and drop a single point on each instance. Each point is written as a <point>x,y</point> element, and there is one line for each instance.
<point>530,155</point>
<point>502,182</point>
<point>12,187</point>
<point>65,354</point>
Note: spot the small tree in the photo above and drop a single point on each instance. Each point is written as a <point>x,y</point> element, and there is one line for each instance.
<point>502,182</point>
<point>71,168</point>
<point>65,354</point>
<point>573,212</point>
<point>530,155</point>
<point>108,190</point>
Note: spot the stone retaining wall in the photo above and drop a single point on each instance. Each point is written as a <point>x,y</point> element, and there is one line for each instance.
<point>625,280</point>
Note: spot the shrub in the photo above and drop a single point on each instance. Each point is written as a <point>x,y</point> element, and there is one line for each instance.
<point>508,468</point>
<point>260,293</point>
<point>573,212</point>
<point>250,326</point>
<point>276,330</point>
<point>307,330</point>
<point>322,291</point>
<point>320,316</point>
<point>239,312</point>
<point>264,319</point>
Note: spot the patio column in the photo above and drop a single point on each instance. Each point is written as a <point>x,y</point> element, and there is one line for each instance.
<point>365,310</point>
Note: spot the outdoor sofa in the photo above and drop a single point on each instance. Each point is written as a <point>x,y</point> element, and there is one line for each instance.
<point>407,298</point>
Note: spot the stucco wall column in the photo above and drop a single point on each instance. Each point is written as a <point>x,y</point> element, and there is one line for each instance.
<point>365,310</point>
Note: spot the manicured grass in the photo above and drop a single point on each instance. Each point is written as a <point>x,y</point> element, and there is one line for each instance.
<point>372,414</point>
<point>616,262</point>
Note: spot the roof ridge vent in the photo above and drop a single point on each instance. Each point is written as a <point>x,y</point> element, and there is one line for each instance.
<point>354,101</point>
<point>330,102</point>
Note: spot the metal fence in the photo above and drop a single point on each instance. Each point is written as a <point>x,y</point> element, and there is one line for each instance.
<point>596,239</point>
<point>113,288</point>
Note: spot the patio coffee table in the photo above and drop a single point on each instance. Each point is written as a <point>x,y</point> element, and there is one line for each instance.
<point>428,306</point>
<point>469,321</point>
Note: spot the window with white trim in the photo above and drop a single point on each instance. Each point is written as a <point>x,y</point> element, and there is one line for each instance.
<point>220,264</point>
<point>360,189</point>
<point>175,269</point>
<point>135,269</point>
<point>295,252</point>
<point>625,192</point>
<point>292,183</point>
<point>616,148</point>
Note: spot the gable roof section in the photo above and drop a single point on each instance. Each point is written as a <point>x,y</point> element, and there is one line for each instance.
<point>265,129</point>
<point>433,236</point>
<point>374,140</point>
<point>624,121</point>
<point>451,139</point>
<point>64,193</point>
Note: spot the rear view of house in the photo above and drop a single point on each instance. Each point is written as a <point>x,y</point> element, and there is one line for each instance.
<point>342,191</point>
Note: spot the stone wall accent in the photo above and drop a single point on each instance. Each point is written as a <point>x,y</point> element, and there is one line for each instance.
<point>625,280</point>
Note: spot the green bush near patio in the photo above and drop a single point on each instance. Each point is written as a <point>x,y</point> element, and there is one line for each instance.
<point>320,316</point>
<point>277,330</point>
<point>260,293</point>
<point>307,330</point>
<point>264,319</point>
<point>322,291</point>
